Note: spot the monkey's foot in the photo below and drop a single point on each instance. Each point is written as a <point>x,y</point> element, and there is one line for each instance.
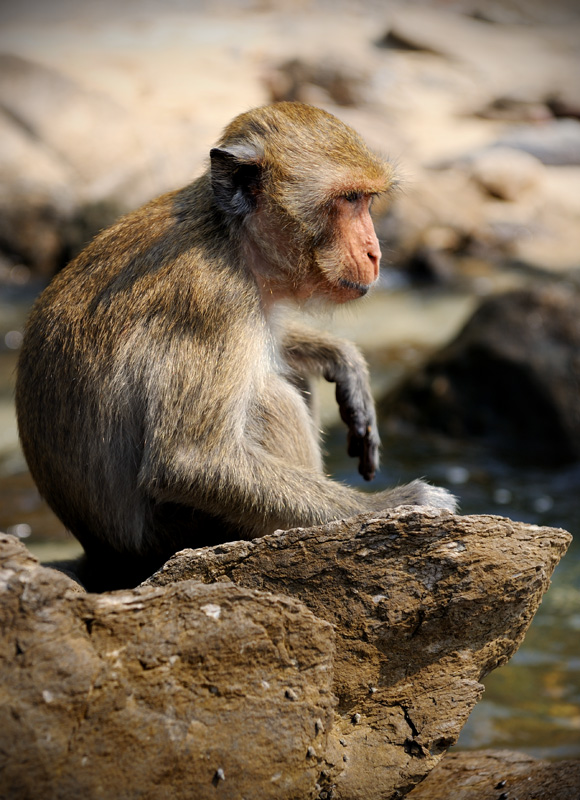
<point>419,493</point>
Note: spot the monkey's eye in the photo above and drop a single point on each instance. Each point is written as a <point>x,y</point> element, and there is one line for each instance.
<point>353,197</point>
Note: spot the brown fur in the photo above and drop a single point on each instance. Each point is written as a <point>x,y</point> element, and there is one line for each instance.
<point>158,401</point>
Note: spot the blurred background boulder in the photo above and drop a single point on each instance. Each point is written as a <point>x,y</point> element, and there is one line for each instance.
<point>510,377</point>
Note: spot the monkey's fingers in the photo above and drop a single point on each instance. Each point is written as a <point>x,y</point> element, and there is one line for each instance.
<point>369,458</point>
<point>355,444</point>
<point>366,449</point>
<point>362,437</point>
<point>356,428</point>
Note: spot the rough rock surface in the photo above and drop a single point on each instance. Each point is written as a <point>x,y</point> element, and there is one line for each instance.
<point>510,377</point>
<point>488,774</point>
<point>349,682</point>
<point>424,604</point>
<point>190,691</point>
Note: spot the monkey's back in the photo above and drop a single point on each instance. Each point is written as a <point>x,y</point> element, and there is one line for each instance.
<point>114,336</point>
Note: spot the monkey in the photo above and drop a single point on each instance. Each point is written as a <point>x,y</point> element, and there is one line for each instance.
<point>162,397</point>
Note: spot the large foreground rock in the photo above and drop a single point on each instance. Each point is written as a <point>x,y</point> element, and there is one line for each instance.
<point>424,604</point>
<point>334,662</point>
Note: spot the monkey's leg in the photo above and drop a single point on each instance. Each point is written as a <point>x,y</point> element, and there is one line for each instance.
<point>257,492</point>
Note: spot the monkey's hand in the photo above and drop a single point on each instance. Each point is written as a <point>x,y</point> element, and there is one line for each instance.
<point>308,352</point>
<point>357,411</point>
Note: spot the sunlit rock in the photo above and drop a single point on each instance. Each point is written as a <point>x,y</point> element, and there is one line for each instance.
<point>331,662</point>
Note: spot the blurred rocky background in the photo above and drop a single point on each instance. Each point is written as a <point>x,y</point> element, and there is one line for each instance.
<point>477,102</point>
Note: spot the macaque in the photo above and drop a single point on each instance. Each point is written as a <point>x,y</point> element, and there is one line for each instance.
<point>160,395</point>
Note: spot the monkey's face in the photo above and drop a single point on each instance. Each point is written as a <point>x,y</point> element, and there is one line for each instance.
<point>336,257</point>
<point>332,252</point>
<point>350,266</point>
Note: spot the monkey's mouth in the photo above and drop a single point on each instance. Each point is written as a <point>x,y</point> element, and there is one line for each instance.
<point>361,288</point>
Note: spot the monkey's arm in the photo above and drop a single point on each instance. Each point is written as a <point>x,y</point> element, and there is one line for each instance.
<point>312,352</point>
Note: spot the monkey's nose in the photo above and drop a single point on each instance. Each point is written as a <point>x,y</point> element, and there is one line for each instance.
<point>375,259</point>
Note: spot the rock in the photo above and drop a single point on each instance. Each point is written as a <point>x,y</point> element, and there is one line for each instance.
<point>188,691</point>
<point>509,205</point>
<point>423,603</point>
<point>85,130</point>
<point>37,201</point>
<point>203,680</point>
<point>510,378</point>
<point>555,142</point>
<point>432,265</point>
<point>439,211</point>
<point>505,59</point>
<point>561,107</point>
<point>489,774</point>
<point>514,109</point>
<point>60,182</point>
<point>523,12</point>
<point>506,173</point>
<point>316,82</point>
<point>435,31</point>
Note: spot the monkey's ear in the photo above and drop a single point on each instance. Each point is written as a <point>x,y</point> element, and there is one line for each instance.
<point>235,177</point>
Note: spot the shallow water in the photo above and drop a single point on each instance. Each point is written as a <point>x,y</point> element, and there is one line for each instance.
<point>533,703</point>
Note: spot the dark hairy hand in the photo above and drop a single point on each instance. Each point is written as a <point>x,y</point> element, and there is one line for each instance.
<point>358,413</point>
